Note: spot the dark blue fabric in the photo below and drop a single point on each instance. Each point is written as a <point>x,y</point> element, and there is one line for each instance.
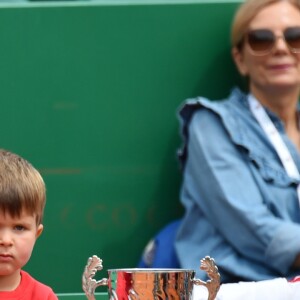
<point>162,249</point>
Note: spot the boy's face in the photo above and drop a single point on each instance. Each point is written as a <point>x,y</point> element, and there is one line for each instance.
<point>17,239</point>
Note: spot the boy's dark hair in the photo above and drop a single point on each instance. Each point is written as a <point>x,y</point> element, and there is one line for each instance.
<point>22,188</point>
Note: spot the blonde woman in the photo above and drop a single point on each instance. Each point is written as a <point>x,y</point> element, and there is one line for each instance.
<point>242,155</point>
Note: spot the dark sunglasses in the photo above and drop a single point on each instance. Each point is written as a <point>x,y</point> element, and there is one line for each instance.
<point>262,41</point>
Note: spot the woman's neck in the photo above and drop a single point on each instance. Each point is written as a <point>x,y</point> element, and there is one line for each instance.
<point>284,104</point>
<point>281,102</point>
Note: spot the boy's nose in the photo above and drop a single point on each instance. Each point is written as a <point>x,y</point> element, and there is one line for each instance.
<point>5,238</point>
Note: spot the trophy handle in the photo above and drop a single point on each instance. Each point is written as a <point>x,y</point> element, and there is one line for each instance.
<point>213,284</point>
<point>89,284</point>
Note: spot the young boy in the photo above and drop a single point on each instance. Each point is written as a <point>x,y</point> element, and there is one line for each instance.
<point>22,202</point>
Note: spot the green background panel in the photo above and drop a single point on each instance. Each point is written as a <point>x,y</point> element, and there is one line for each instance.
<point>89,95</point>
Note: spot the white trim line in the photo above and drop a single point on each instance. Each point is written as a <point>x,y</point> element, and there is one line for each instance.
<point>112,3</point>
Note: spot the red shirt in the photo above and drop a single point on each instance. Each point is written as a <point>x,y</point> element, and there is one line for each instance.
<point>29,289</point>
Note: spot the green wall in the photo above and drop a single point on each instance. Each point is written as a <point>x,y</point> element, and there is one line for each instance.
<point>89,94</point>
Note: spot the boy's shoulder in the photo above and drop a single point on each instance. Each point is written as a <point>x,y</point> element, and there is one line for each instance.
<point>34,289</point>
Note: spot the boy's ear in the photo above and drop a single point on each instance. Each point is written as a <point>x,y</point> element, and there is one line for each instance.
<point>39,230</point>
<point>238,58</point>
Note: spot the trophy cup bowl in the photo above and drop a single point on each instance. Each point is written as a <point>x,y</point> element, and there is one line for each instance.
<point>149,284</point>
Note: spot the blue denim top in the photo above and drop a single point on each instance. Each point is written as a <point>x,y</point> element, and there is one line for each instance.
<point>241,208</point>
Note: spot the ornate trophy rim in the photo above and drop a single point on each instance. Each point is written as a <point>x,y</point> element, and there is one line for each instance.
<point>94,263</point>
<point>147,270</point>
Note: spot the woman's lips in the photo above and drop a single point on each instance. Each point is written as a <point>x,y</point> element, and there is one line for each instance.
<point>280,67</point>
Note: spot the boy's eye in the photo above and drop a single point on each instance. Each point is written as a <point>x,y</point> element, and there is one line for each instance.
<point>19,227</point>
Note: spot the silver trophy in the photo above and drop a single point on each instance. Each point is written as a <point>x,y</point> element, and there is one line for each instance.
<point>149,284</point>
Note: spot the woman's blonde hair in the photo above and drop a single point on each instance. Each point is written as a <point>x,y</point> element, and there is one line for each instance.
<point>21,187</point>
<point>244,15</point>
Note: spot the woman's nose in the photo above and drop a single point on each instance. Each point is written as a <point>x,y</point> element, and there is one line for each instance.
<point>280,44</point>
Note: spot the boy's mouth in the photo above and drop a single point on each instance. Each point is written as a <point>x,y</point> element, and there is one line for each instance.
<point>5,256</point>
